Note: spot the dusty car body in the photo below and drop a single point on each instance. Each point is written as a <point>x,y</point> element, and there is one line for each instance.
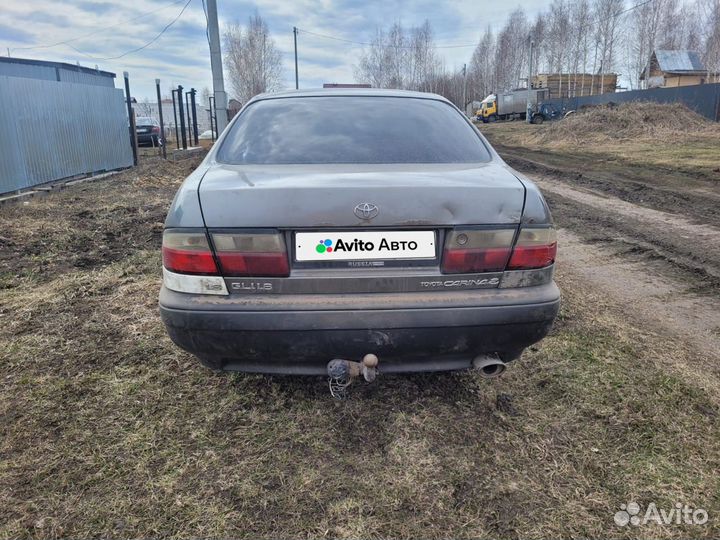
<point>401,234</point>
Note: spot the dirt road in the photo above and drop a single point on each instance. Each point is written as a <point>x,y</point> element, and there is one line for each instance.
<point>662,268</point>
<point>107,429</point>
<point>671,190</point>
<point>648,262</point>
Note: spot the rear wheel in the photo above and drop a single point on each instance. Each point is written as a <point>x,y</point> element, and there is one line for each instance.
<point>537,119</point>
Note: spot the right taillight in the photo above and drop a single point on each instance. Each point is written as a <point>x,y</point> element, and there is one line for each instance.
<point>251,254</point>
<point>477,250</point>
<point>534,248</point>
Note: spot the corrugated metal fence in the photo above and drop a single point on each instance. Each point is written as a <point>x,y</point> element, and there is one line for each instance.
<point>702,98</point>
<point>51,130</point>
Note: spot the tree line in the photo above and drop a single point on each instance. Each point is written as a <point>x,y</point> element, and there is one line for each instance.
<point>570,36</point>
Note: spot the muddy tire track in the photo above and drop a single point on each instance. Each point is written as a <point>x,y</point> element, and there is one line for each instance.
<point>666,190</point>
<point>689,251</point>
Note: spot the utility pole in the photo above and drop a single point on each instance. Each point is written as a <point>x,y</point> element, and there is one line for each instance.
<point>528,113</point>
<point>465,89</point>
<point>297,86</point>
<point>216,66</point>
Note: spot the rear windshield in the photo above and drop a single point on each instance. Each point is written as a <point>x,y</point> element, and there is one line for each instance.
<point>144,120</point>
<point>343,129</point>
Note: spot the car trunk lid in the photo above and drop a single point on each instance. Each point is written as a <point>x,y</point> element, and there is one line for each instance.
<point>325,197</point>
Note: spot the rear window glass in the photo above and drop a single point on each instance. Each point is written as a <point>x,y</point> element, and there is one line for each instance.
<point>342,129</point>
<point>144,120</point>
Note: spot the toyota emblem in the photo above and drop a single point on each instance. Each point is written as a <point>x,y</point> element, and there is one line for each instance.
<point>366,210</point>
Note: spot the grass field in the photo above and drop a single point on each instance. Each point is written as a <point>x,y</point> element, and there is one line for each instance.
<point>631,135</point>
<point>109,430</point>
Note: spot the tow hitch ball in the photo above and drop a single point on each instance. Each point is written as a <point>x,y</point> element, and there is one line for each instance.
<point>342,372</point>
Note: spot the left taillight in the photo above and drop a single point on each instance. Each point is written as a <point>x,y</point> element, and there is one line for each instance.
<point>189,265</point>
<point>156,129</point>
<point>259,254</point>
<point>188,253</point>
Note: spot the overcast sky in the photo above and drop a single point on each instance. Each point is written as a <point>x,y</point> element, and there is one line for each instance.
<point>181,55</point>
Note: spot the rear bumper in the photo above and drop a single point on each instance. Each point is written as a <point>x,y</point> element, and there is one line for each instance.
<point>299,334</point>
<point>148,138</point>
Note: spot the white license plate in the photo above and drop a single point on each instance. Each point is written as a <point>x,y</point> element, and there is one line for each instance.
<point>364,245</point>
<point>142,130</point>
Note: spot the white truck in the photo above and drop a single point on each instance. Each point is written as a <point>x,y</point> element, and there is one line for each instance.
<point>510,105</point>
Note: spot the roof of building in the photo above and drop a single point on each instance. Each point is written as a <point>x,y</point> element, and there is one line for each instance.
<point>674,61</point>
<point>59,65</point>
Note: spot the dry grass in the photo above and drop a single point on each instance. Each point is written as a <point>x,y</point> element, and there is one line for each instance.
<point>629,122</point>
<point>644,134</point>
<point>109,430</point>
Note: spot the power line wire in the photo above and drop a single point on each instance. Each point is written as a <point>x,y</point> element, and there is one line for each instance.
<point>614,15</point>
<point>633,7</point>
<point>94,32</point>
<point>153,40</point>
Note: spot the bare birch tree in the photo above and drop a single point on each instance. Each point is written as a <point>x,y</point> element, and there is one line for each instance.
<point>511,51</point>
<point>709,11</point>
<point>538,33</point>
<point>607,30</point>
<point>400,58</point>
<point>424,61</point>
<point>580,23</point>
<point>254,64</point>
<point>481,81</point>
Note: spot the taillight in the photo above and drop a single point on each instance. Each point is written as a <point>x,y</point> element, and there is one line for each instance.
<point>534,248</point>
<point>251,254</point>
<point>477,250</point>
<point>188,253</point>
<point>156,129</point>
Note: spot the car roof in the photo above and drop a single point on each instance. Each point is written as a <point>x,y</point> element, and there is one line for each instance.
<point>348,92</point>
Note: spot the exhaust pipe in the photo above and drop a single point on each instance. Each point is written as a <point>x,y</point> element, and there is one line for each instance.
<point>489,366</point>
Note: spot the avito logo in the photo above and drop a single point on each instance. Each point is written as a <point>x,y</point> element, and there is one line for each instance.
<point>326,246</point>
